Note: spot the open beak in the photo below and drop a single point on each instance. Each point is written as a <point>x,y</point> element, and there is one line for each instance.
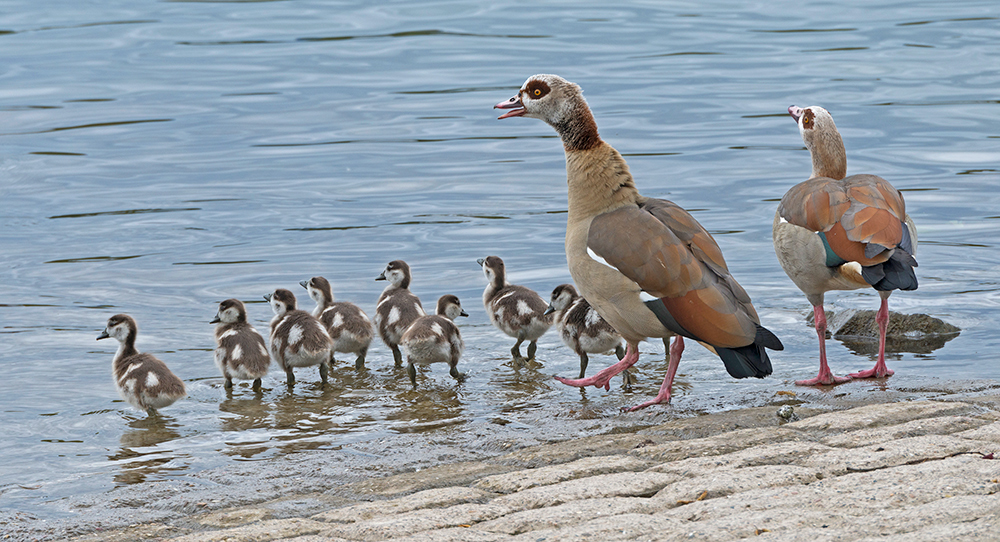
<point>795,112</point>
<point>515,106</point>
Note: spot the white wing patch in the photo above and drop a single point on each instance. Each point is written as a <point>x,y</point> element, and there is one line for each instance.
<point>229,333</point>
<point>393,315</point>
<point>237,352</point>
<point>295,334</point>
<point>646,296</point>
<point>598,259</point>
<point>593,318</point>
<point>522,307</point>
<point>151,380</point>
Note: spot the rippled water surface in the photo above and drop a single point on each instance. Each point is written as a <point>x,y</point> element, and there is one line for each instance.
<point>158,158</point>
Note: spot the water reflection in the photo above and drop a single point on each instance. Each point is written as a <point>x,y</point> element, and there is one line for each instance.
<point>140,456</point>
<point>907,333</point>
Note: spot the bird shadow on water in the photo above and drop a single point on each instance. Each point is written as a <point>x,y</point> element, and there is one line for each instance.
<point>140,455</point>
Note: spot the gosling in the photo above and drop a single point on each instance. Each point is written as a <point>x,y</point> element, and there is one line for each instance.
<point>515,310</point>
<point>297,338</point>
<point>240,352</point>
<point>142,380</point>
<point>347,324</point>
<point>435,339</point>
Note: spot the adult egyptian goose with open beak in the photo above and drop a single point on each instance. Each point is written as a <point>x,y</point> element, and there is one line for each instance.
<point>647,266</point>
<point>833,232</point>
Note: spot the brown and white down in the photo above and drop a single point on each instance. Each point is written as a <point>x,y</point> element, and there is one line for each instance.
<point>396,308</point>
<point>141,379</point>
<point>298,339</point>
<point>833,232</point>
<point>516,310</point>
<point>647,266</point>
<point>240,352</point>
<point>581,328</point>
<point>347,324</point>
<point>435,339</point>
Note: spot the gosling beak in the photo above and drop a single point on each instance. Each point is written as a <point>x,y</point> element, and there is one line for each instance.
<point>103,335</point>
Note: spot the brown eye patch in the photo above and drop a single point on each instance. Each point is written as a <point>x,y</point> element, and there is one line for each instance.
<point>807,118</point>
<point>537,89</point>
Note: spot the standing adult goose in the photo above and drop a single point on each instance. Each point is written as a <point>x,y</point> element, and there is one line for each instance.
<point>581,328</point>
<point>435,338</point>
<point>833,232</point>
<point>396,308</point>
<point>239,349</point>
<point>348,325</point>
<point>298,339</point>
<point>516,310</point>
<point>140,378</point>
<point>621,246</point>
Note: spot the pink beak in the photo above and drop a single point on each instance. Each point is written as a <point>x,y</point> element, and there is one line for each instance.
<point>795,112</point>
<point>515,106</point>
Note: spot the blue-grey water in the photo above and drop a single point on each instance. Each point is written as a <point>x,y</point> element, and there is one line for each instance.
<point>159,157</point>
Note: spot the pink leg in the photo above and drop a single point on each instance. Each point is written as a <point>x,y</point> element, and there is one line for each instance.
<point>825,376</point>
<point>603,378</point>
<point>668,381</point>
<point>880,370</point>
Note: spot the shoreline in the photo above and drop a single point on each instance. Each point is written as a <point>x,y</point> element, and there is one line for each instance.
<point>309,493</point>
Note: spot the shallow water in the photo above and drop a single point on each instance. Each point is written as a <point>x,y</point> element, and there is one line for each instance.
<point>159,158</point>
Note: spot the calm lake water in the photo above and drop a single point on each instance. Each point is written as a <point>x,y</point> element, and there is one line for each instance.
<point>158,158</point>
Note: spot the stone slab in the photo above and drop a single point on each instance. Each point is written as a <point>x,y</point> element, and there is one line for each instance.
<point>520,480</point>
<point>431,498</point>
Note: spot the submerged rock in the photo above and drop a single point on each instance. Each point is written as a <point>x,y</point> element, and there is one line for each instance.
<point>915,333</point>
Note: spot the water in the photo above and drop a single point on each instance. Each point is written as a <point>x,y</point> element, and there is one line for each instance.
<point>158,158</point>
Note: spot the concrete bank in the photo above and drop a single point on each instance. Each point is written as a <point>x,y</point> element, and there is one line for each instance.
<point>908,471</point>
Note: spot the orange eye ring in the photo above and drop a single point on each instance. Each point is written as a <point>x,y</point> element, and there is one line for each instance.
<point>538,92</point>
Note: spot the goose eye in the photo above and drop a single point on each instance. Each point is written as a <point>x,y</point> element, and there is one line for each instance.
<point>538,92</point>
<point>806,120</point>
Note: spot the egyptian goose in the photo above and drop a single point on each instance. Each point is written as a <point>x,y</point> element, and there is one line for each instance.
<point>397,307</point>
<point>837,233</point>
<point>516,310</point>
<point>581,328</point>
<point>240,352</point>
<point>621,246</point>
<point>347,324</point>
<point>298,339</point>
<point>435,339</point>
<point>141,379</point>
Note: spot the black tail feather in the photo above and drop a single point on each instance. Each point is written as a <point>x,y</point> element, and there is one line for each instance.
<point>896,273</point>
<point>751,360</point>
